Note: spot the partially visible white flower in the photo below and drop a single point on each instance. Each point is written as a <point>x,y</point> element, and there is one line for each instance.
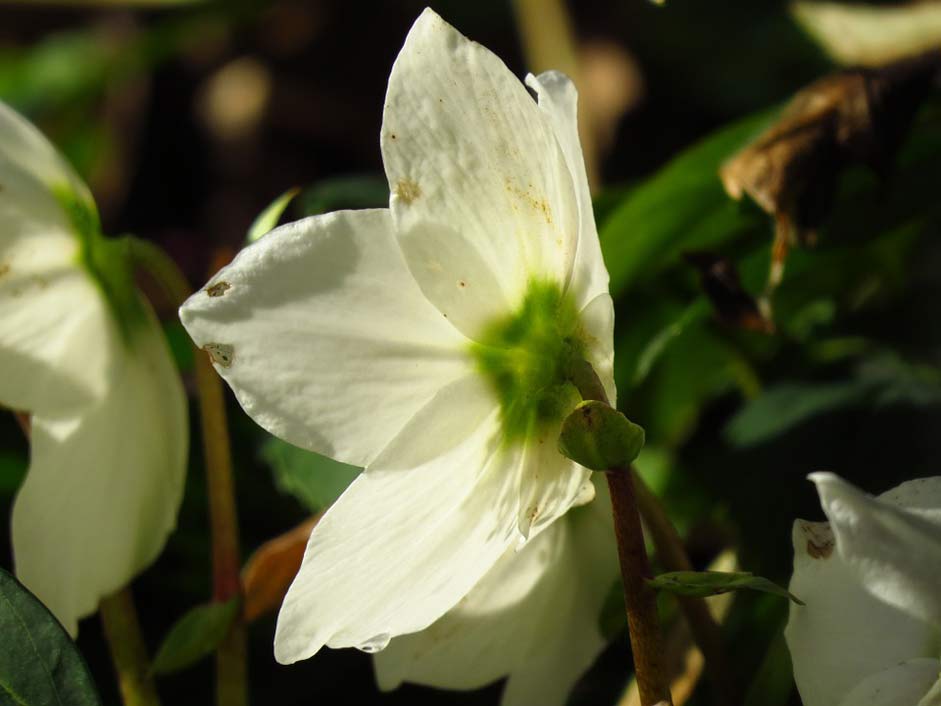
<point>533,618</point>
<point>81,351</point>
<point>427,342</point>
<point>870,632</point>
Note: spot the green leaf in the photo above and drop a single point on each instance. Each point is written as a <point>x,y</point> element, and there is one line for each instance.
<point>195,635</point>
<point>39,663</point>
<point>711,583</point>
<point>599,437</point>
<point>315,480</point>
<point>268,219</point>
<point>682,207</point>
<point>788,405</point>
<point>357,191</point>
<point>882,379</point>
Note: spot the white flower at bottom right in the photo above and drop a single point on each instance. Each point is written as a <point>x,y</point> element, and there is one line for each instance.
<point>870,632</point>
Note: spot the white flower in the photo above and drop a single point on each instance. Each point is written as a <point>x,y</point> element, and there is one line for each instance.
<point>534,618</point>
<point>426,342</point>
<point>81,351</point>
<point>870,633</point>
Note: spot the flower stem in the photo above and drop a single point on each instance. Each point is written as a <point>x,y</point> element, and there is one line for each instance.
<point>672,555</point>
<point>640,599</point>
<point>231,662</point>
<point>128,651</point>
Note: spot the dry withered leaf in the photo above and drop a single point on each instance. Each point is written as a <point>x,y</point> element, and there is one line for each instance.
<point>722,285</point>
<point>269,571</point>
<point>855,116</point>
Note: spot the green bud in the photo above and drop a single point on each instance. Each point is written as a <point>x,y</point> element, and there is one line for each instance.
<point>599,437</point>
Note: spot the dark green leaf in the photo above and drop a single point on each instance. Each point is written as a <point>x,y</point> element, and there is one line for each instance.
<point>315,480</point>
<point>359,191</point>
<point>712,583</point>
<point>788,405</point>
<point>12,472</point>
<point>682,207</point>
<point>195,635</point>
<point>39,663</point>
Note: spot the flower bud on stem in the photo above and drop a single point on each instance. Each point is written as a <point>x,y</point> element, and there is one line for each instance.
<point>231,661</point>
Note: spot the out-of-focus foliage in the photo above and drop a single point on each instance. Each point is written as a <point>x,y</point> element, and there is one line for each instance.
<point>315,480</point>
<point>194,636</point>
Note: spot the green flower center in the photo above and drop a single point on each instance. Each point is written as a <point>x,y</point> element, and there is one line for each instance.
<point>107,260</point>
<point>526,357</point>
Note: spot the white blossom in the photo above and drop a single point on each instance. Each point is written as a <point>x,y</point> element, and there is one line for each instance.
<point>534,618</point>
<point>82,352</point>
<point>870,632</point>
<point>427,342</point>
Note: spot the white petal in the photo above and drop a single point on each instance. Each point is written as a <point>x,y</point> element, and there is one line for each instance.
<point>558,98</point>
<point>569,638</point>
<point>895,552</point>
<point>324,336</point>
<point>30,171</point>
<point>918,494</point>
<point>479,182</point>
<point>53,323</point>
<point>905,684</point>
<point>46,302</point>
<point>412,534</point>
<point>843,633</point>
<point>485,636</point>
<point>533,617</point>
<point>550,483</point>
<point>104,483</point>
<point>597,318</point>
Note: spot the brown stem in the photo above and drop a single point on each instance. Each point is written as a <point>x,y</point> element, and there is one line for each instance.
<point>672,554</point>
<point>231,663</point>
<point>639,598</point>
<point>128,652</point>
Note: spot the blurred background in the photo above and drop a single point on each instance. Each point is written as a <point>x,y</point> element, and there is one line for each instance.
<point>189,118</point>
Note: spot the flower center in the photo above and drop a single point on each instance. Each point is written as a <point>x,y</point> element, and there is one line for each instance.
<point>526,357</point>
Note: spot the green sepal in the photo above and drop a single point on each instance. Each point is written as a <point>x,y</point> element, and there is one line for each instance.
<point>107,260</point>
<point>599,437</point>
<point>195,635</point>
<point>711,583</point>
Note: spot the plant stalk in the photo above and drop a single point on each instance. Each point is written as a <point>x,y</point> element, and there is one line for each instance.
<point>672,555</point>
<point>128,652</point>
<point>640,600</point>
<point>231,661</point>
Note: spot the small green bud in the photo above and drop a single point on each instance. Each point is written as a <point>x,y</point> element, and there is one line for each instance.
<point>599,437</point>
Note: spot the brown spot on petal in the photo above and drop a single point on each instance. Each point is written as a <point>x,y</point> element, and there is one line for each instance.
<point>218,289</point>
<point>820,541</point>
<point>407,191</point>
<point>4,268</point>
<point>461,283</point>
<point>222,354</point>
